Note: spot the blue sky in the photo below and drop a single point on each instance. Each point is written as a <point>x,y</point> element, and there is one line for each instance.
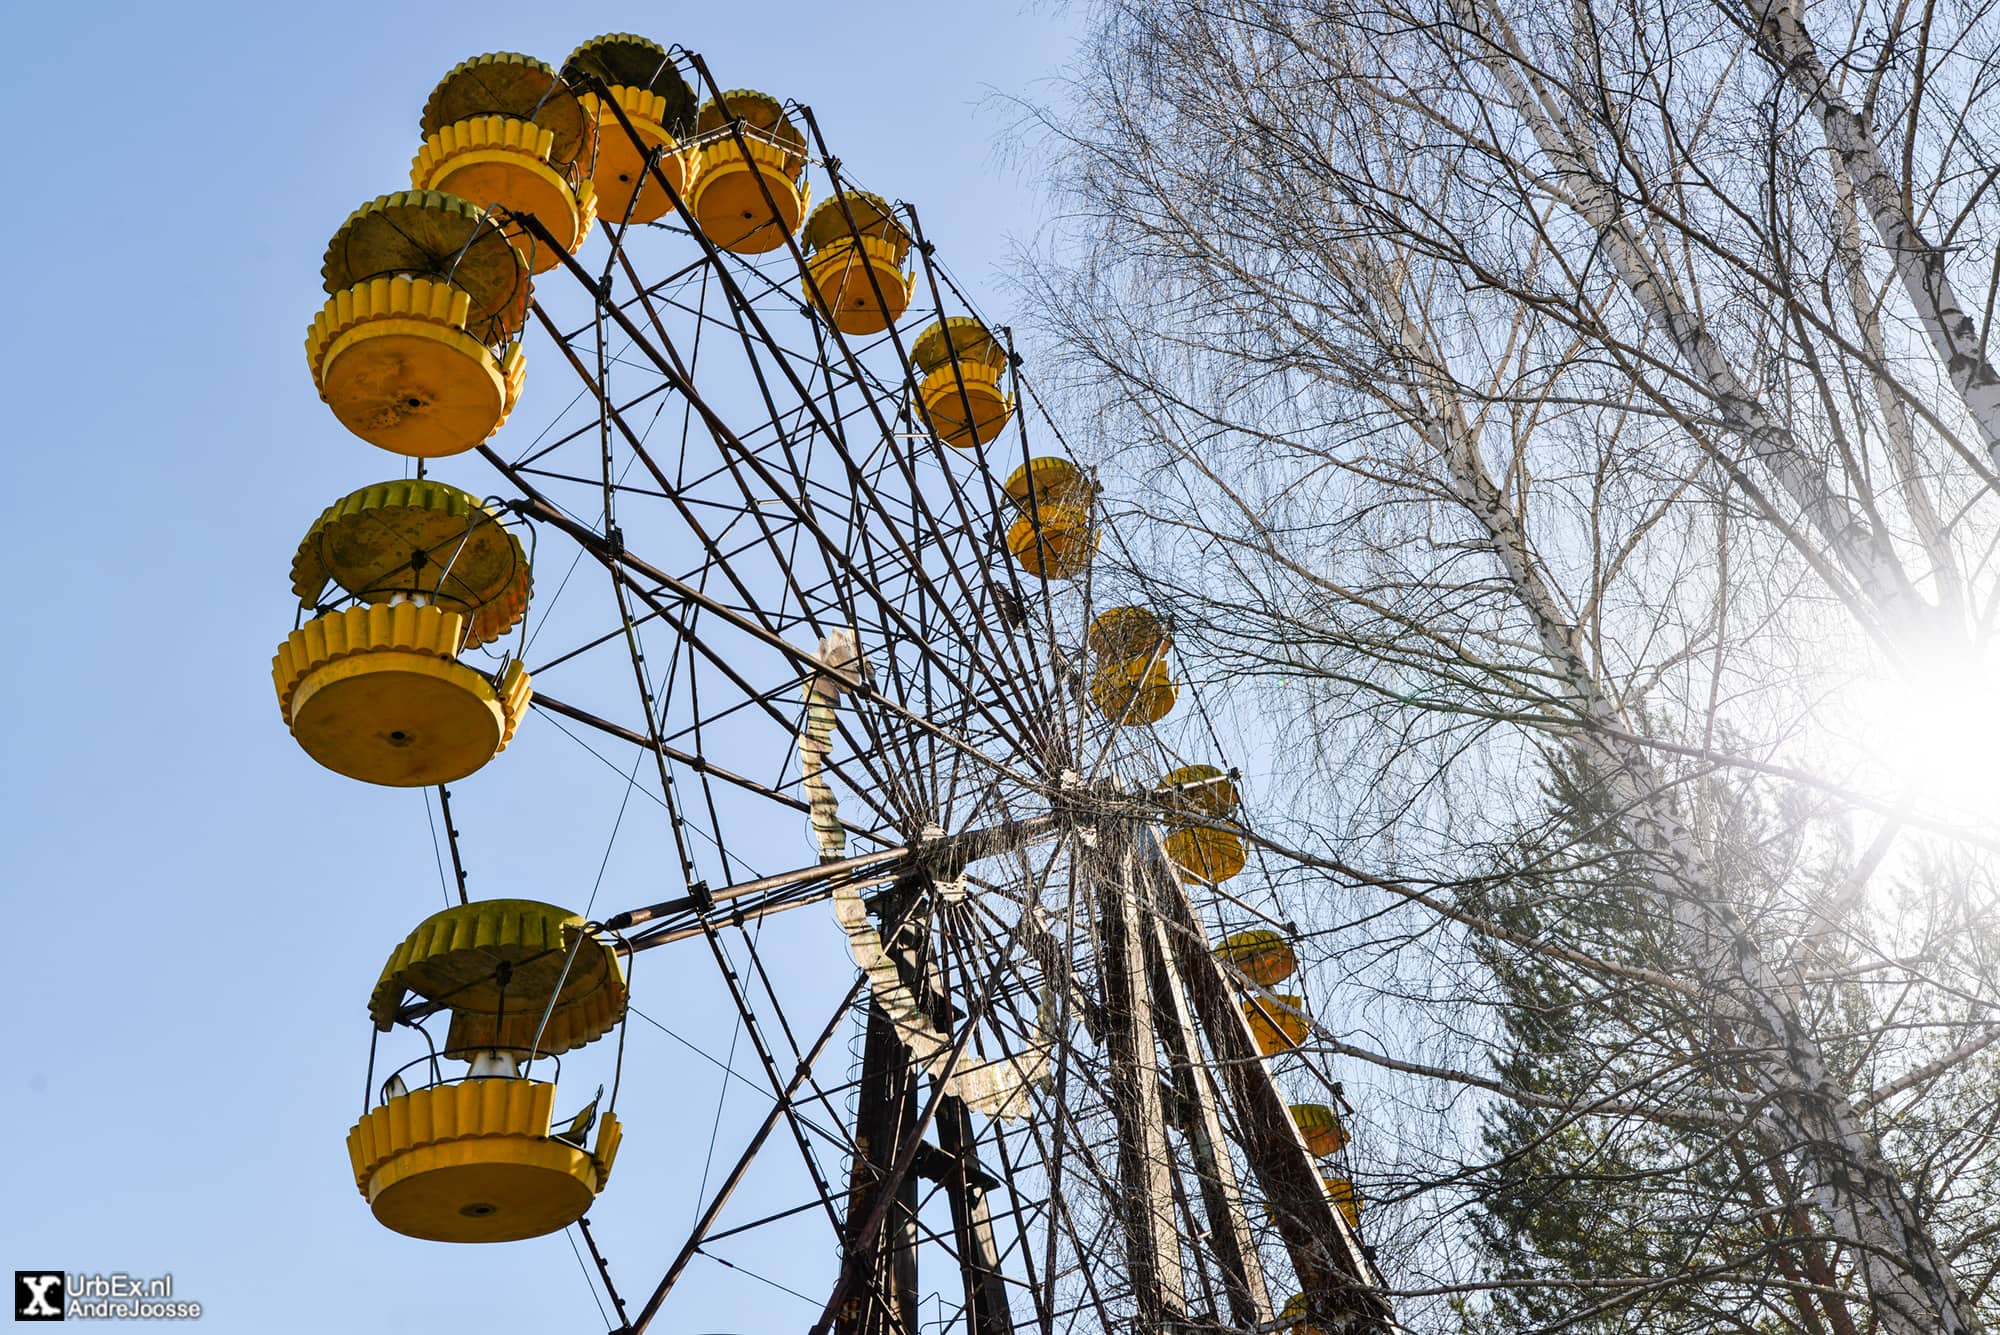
<point>196,911</point>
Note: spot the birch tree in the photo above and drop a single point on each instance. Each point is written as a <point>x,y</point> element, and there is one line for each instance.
<point>1513,387</point>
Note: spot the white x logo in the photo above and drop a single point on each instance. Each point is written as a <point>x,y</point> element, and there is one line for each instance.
<point>38,1294</point>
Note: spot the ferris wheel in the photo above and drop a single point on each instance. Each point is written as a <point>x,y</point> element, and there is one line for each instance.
<point>811,566</point>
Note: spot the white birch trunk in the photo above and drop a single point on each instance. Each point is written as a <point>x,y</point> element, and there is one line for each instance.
<point>1897,428</point>
<point>1862,552</point>
<point>1919,266</point>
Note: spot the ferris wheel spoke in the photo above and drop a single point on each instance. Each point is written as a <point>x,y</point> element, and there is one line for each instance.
<point>751,329</point>
<point>882,602</point>
<point>923,520</point>
<point>624,565</point>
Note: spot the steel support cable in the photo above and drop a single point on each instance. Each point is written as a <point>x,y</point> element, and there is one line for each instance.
<point>527,462</point>
<point>674,819</point>
<point>932,270</point>
<point>840,1138</point>
<point>833,1136</point>
<point>599,757</point>
<point>669,490</point>
<point>587,1283</point>
<point>889,609</point>
<point>584,648</point>
<point>603,1269</point>
<point>783,1090</point>
<point>1061,1109</point>
<point>735,1176</point>
<point>451,838</point>
<point>917,808</point>
<point>715,1127</point>
<point>831,166</point>
<point>752,1225</point>
<point>698,719</point>
<point>842,1141</point>
<point>437,852</point>
<point>1022,1238</point>
<point>753,1274</point>
<point>576,943</point>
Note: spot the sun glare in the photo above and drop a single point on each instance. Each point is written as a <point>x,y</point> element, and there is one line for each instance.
<point>1937,733</point>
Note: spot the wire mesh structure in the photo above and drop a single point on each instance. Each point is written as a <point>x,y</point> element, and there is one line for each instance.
<point>823,569</point>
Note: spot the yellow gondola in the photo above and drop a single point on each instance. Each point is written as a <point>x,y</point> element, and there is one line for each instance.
<point>1278,1024</point>
<point>960,366</point>
<point>748,195</point>
<point>1293,1316</point>
<point>418,539</point>
<point>1133,691</point>
<point>480,1158</point>
<point>1202,789</point>
<point>855,250</point>
<point>505,130</point>
<point>1056,535</point>
<point>1342,1193</point>
<point>1056,543</point>
<point>640,79</point>
<point>1049,480</point>
<point>1132,683</point>
<point>1321,1128</point>
<point>1203,854</point>
<point>1260,954</point>
<point>1120,633</point>
<point>415,350</point>
<point>377,693</point>
<point>1206,856</point>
